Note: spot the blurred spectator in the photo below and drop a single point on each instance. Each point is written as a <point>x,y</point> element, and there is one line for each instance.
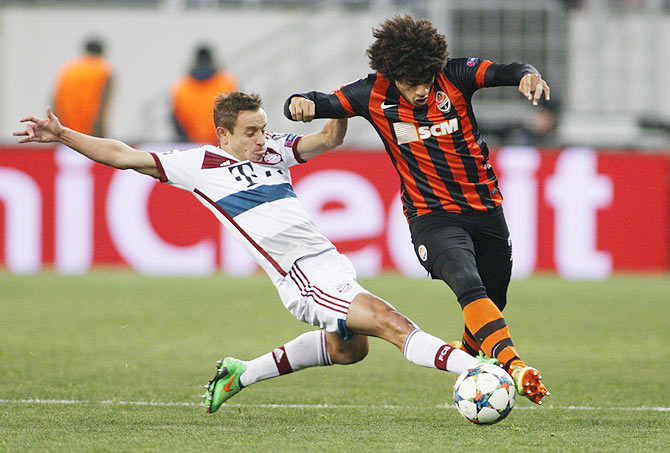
<point>193,98</point>
<point>654,123</point>
<point>538,128</point>
<point>82,91</point>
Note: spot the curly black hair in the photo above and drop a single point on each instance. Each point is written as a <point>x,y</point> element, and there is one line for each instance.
<point>227,107</point>
<point>407,50</point>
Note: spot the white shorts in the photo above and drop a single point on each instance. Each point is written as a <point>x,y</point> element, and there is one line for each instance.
<point>319,289</point>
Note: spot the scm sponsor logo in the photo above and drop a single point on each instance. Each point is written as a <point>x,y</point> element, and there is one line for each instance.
<point>447,127</point>
<point>406,132</point>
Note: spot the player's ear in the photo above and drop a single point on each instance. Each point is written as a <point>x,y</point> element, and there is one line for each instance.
<point>222,135</point>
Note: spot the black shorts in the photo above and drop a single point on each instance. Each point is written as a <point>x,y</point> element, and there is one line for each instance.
<point>466,251</point>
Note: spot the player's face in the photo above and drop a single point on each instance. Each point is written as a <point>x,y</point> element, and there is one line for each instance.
<point>247,140</point>
<point>417,95</point>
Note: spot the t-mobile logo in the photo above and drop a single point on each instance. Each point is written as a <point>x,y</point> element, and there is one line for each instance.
<point>244,170</point>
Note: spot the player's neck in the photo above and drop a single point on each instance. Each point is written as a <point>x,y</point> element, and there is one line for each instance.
<point>232,153</point>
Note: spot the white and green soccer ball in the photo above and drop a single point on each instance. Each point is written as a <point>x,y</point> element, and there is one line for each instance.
<point>484,394</point>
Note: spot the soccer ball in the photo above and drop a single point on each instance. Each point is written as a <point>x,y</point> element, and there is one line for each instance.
<point>484,394</point>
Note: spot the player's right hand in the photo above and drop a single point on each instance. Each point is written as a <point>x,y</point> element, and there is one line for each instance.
<point>302,109</point>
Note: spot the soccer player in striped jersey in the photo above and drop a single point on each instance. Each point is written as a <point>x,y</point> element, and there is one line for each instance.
<point>419,102</point>
<point>245,182</point>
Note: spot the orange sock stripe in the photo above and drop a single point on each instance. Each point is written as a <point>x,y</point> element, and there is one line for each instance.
<point>517,362</point>
<point>507,354</point>
<point>471,342</point>
<point>493,339</point>
<point>480,312</point>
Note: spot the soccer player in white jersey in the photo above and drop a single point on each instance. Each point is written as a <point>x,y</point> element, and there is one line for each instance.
<point>245,182</point>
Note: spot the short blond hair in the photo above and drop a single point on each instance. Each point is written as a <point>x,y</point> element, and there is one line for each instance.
<point>227,108</point>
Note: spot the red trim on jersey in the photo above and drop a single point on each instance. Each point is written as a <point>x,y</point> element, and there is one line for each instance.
<point>213,160</point>
<point>244,233</point>
<point>345,103</point>
<point>294,147</point>
<point>163,176</point>
<point>481,72</point>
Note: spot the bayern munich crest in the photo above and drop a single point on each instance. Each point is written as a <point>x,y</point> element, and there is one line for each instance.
<point>271,157</point>
<point>443,102</point>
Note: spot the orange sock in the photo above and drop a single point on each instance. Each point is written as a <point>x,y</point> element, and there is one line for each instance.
<point>517,362</point>
<point>470,345</point>
<point>490,331</point>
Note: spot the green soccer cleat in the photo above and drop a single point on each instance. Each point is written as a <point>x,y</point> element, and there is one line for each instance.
<point>457,344</point>
<point>483,358</point>
<point>528,384</point>
<point>225,384</point>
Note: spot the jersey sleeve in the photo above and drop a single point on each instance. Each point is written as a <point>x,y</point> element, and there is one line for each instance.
<point>507,74</point>
<point>468,74</point>
<point>473,73</point>
<point>180,168</point>
<point>350,100</point>
<point>287,146</point>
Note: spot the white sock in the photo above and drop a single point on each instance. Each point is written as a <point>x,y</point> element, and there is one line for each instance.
<point>426,350</point>
<point>306,350</point>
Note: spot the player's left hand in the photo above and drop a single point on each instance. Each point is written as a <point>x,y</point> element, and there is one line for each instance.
<point>532,86</point>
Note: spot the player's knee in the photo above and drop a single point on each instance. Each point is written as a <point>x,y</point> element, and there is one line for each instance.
<point>461,279</point>
<point>350,351</point>
<point>388,323</point>
<point>395,326</point>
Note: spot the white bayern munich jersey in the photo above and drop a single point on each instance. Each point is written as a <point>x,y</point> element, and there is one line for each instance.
<point>254,200</point>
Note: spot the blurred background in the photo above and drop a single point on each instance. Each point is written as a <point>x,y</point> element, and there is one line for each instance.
<point>607,61</point>
<point>589,169</point>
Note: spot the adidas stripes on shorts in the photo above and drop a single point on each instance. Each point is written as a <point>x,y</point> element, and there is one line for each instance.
<point>318,290</point>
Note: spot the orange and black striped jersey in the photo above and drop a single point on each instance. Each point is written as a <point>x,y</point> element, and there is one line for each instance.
<point>442,160</point>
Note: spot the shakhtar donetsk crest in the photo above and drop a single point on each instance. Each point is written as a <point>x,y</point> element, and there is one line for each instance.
<point>423,252</point>
<point>443,102</point>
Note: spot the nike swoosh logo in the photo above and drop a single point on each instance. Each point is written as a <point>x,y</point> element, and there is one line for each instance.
<point>385,106</point>
<point>227,386</point>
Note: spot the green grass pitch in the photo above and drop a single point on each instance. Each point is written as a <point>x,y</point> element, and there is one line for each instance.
<point>113,361</point>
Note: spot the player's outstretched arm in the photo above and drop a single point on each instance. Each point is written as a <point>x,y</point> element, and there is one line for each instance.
<point>532,86</point>
<point>301,109</point>
<point>106,151</point>
<point>329,137</point>
<point>313,105</point>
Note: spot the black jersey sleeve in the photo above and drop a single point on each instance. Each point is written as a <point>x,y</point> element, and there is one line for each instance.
<point>470,74</point>
<point>463,72</point>
<point>507,74</point>
<point>326,105</point>
<point>350,100</point>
